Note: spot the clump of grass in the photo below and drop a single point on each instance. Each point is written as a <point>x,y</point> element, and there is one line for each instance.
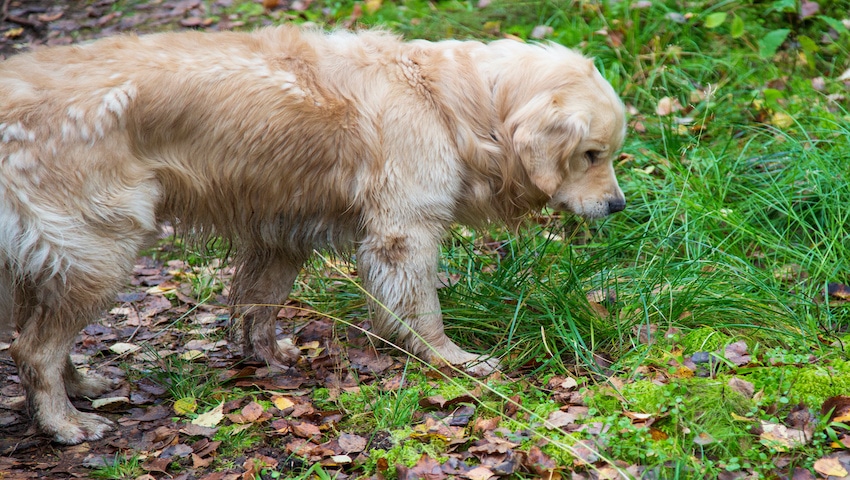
<point>122,468</point>
<point>188,381</point>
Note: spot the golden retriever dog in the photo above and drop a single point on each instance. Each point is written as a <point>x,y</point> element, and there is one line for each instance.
<point>283,141</point>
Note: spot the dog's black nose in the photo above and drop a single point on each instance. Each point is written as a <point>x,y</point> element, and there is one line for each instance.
<point>615,206</point>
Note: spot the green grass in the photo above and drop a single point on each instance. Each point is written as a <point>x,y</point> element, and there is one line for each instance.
<point>123,468</point>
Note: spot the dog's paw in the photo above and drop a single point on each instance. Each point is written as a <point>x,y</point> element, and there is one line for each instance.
<point>475,365</point>
<point>280,353</point>
<point>89,385</point>
<point>76,427</point>
<point>481,366</point>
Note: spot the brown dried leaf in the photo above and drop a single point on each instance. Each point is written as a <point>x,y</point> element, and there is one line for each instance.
<point>252,412</point>
<point>434,401</point>
<point>743,387</point>
<point>838,408</point>
<point>838,290</point>
<point>808,9</point>
<point>198,462</point>
<point>425,468</point>
<point>369,361</point>
<point>479,473</point>
<point>305,430</point>
<point>541,464</point>
<point>351,443</point>
<point>558,419</point>
<point>483,425</point>
<point>737,353</point>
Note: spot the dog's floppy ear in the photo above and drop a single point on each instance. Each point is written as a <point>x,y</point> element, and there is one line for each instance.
<point>544,138</point>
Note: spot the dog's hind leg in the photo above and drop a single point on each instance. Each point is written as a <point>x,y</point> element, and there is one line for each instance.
<point>262,283</point>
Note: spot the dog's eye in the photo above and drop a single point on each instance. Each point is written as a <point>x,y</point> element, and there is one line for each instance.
<point>592,156</point>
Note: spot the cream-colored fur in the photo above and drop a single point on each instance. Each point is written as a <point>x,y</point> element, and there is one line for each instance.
<point>283,141</point>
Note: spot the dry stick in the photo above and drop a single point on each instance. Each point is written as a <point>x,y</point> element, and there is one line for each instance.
<point>4,10</point>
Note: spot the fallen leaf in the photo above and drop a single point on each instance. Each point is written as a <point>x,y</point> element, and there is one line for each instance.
<point>479,473</point>
<point>830,467</point>
<point>491,27</point>
<point>351,443</point>
<point>199,462</point>
<point>110,403</point>
<point>282,403</point>
<point>541,464</point>
<point>838,290</point>
<point>558,419</point>
<point>341,459</point>
<point>372,6</point>
<point>190,355</point>
<point>121,348</point>
<point>183,406</point>
<point>153,464</point>
<point>13,32</point>
<point>639,417</point>
<point>252,412</point>
<point>737,353</point>
<point>425,468</point>
<point>781,437</point>
<point>198,431</point>
<point>668,105</point>
<point>179,450</point>
<point>808,9</point>
<point>482,425</point>
<point>305,430</point>
<point>838,408</point>
<point>743,387</point>
<point>541,31</point>
<point>211,418</point>
<point>781,120</point>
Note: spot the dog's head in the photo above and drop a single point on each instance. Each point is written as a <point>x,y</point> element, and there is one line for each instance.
<point>567,133</point>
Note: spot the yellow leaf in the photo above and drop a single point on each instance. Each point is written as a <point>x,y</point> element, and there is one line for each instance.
<point>121,348</point>
<point>162,289</point>
<point>185,405</point>
<point>192,355</point>
<point>739,418</point>
<point>211,418</point>
<point>492,27</point>
<point>781,120</point>
<point>372,6</point>
<point>282,403</point>
<point>13,32</point>
<point>830,467</point>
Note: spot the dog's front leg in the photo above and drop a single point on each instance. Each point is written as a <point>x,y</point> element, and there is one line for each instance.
<point>41,354</point>
<point>399,270</point>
